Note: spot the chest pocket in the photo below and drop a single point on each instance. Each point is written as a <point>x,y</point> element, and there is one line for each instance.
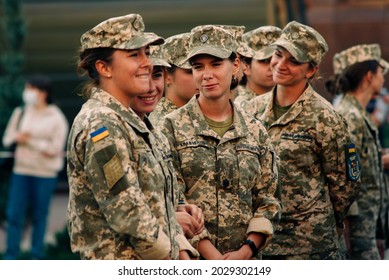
<point>196,159</point>
<point>249,169</point>
<point>297,150</point>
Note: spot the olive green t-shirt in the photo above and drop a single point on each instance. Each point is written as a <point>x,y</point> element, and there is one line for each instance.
<point>279,110</point>
<point>220,127</point>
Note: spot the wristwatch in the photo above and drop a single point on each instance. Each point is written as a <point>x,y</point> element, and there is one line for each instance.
<point>253,248</point>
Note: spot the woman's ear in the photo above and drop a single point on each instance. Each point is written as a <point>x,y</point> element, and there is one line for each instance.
<point>369,77</point>
<point>311,72</point>
<point>103,68</point>
<point>235,66</point>
<point>168,78</point>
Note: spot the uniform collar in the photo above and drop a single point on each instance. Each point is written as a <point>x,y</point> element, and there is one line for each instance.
<point>127,113</point>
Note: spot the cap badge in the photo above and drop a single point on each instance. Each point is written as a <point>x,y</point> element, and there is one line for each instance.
<point>295,35</point>
<point>203,38</point>
<point>136,24</point>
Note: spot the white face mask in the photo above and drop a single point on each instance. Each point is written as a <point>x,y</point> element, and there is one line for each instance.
<point>30,97</point>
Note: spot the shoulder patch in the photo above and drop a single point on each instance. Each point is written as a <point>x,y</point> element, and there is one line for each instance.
<point>353,165</point>
<point>113,171</point>
<point>99,134</point>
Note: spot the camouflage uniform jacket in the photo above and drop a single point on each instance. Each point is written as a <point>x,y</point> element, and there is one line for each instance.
<point>310,140</point>
<point>232,179</point>
<point>364,134</point>
<point>244,96</point>
<point>164,107</point>
<point>121,184</point>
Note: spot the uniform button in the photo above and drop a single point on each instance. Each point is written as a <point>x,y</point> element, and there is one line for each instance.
<point>226,183</point>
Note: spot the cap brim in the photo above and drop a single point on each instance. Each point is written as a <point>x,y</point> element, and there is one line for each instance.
<point>245,50</point>
<point>265,53</point>
<point>291,48</point>
<point>209,50</point>
<point>145,39</point>
<point>159,62</point>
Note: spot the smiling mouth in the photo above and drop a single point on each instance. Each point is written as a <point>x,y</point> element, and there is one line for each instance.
<point>148,98</point>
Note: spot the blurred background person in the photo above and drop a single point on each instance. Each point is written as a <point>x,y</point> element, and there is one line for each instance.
<point>361,79</point>
<point>40,137</point>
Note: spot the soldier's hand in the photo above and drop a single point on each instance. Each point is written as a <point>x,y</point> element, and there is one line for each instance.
<point>197,213</point>
<point>188,223</point>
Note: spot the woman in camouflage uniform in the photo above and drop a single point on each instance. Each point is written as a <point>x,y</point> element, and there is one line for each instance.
<point>319,168</point>
<point>226,163</point>
<point>258,78</point>
<point>179,85</point>
<point>361,79</point>
<point>120,173</point>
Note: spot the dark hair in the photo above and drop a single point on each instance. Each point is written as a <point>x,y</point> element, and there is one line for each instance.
<point>234,81</point>
<point>42,83</point>
<point>246,60</point>
<point>332,85</point>
<point>353,75</point>
<point>87,66</point>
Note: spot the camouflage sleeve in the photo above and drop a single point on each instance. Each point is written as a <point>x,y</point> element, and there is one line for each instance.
<point>342,189</point>
<point>355,128</point>
<point>115,185</point>
<point>266,192</point>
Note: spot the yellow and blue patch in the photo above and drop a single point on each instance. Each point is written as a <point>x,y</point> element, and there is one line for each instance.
<point>353,164</point>
<point>99,134</point>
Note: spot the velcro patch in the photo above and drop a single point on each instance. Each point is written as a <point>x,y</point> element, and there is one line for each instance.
<point>99,134</point>
<point>353,164</point>
<point>113,171</point>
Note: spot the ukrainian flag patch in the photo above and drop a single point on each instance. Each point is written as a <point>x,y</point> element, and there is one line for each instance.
<point>99,134</point>
<point>353,164</point>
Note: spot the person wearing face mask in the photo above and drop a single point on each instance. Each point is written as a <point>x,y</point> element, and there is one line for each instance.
<point>40,134</point>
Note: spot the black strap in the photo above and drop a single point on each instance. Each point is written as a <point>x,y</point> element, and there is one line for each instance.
<point>253,248</point>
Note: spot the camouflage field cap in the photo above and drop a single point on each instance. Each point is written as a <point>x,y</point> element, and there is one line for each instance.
<point>211,40</point>
<point>260,40</point>
<point>356,54</point>
<point>124,32</point>
<point>176,49</point>
<point>303,42</point>
<point>238,30</point>
<point>157,57</point>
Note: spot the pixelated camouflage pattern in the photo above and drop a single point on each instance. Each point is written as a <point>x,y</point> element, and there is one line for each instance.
<point>303,42</point>
<point>232,179</point>
<point>211,40</point>
<point>124,32</point>
<point>310,140</point>
<point>244,96</point>
<point>238,30</point>
<point>356,54</point>
<point>260,40</point>
<point>176,49</point>
<point>164,107</point>
<point>364,134</point>
<point>124,211</point>
<point>156,56</point>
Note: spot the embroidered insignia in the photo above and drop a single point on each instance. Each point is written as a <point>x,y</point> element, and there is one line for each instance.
<point>113,171</point>
<point>99,134</point>
<point>203,38</point>
<point>353,164</point>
